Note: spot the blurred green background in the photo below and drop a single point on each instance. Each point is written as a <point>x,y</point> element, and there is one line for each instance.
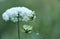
<point>47,23</point>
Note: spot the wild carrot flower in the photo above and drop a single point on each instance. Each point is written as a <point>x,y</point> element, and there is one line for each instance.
<point>25,14</point>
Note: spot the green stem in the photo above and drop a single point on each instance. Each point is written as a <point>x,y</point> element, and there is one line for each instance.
<point>18,28</point>
<point>25,36</point>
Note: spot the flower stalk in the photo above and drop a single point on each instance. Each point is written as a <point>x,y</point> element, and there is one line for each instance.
<point>18,28</point>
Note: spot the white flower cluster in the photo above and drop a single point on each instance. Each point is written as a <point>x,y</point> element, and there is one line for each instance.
<point>27,28</point>
<point>25,14</point>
